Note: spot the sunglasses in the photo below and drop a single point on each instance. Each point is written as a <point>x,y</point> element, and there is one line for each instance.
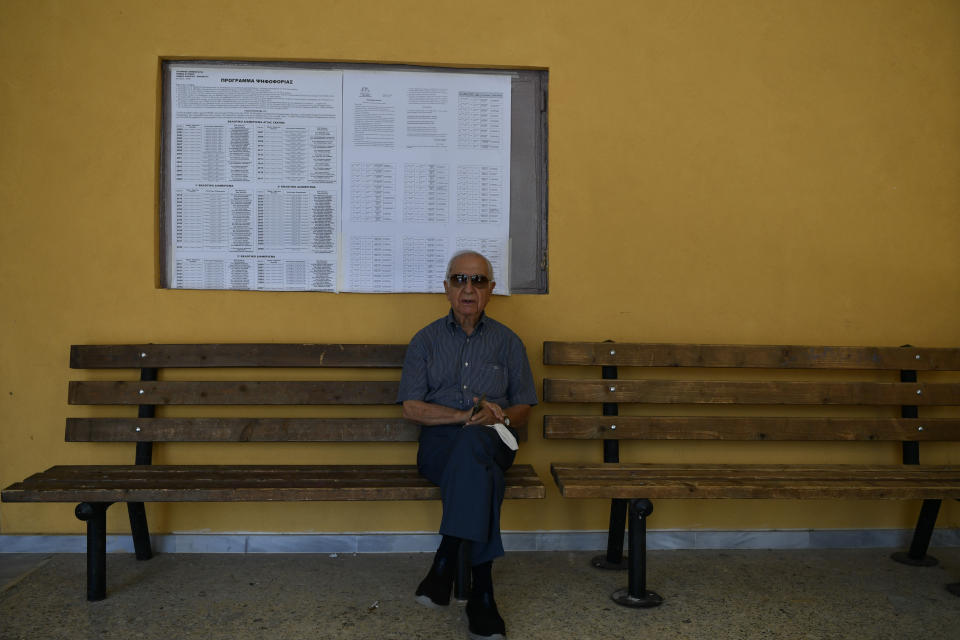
<point>460,280</point>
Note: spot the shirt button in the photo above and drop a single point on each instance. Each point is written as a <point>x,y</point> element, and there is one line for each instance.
<point>464,387</point>
<point>466,364</point>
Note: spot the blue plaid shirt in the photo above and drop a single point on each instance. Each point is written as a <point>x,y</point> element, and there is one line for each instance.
<point>445,366</point>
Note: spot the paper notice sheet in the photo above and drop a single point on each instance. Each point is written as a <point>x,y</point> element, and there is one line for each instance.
<point>254,175</point>
<point>426,173</point>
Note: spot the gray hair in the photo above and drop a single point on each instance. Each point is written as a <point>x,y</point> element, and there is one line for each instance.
<point>469,252</point>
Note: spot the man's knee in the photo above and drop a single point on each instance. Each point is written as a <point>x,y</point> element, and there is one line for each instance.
<point>479,439</point>
<point>483,444</point>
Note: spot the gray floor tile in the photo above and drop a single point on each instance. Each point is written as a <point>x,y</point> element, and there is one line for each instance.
<point>709,594</point>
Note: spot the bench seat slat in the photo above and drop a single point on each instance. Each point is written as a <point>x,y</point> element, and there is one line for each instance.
<point>750,356</point>
<point>750,392</point>
<point>290,392</point>
<point>749,428</point>
<point>135,356</point>
<point>238,471</point>
<point>651,481</point>
<point>243,483</point>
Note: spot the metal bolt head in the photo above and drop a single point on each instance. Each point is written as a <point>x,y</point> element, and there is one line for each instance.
<point>613,352</point>
<point>919,392</point>
<point>138,429</point>
<point>917,356</point>
<point>143,354</point>
<point>613,426</point>
<point>919,428</point>
<point>140,392</point>
<point>612,389</point>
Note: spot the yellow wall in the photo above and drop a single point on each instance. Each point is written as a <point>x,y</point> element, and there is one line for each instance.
<point>739,171</point>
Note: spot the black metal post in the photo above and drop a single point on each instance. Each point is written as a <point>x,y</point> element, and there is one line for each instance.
<point>613,558</point>
<point>954,587</point>
<point>135,510</point>
<point>925,523</point>
<point>95,515</point>
<point>139,531</point>
<point>911,449</point>
<point>461,586</point>
<point>636,594</point>
<point>927,520</point>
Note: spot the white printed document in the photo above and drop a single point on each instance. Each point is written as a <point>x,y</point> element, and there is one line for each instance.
<point>254,178</point>
<point>426,173</point>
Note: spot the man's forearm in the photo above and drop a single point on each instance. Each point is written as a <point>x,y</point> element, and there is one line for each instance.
<point>430,414</point>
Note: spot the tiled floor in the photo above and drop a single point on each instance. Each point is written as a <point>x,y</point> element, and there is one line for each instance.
<point>857,593</point>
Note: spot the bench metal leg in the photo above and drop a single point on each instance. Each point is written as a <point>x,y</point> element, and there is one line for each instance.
<point>139,530</point>
<point>95,515</point>
<point>917,555</point>
<point>461,585</point>
<point>614,559</point>
<point>144,456</point>
<point>636,594</point>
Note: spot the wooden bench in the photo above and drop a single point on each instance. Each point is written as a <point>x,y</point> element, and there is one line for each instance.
<point>864,394</point>
<point>96,487</point>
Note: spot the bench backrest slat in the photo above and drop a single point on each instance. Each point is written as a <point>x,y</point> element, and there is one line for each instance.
<point>750,428</point>
<point>236,355</point>
<point>241,430</point>
<point>245,430</point>
<point>750,392</point>
<point>293,392</point>
<point>634,354</point>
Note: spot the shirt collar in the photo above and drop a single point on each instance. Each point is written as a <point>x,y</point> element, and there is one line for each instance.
<point>453,325</point>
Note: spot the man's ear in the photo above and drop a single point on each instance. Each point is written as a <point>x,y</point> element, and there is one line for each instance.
<point>492,285</point>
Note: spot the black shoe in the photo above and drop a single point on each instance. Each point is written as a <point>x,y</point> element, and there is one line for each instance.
<point>483,618</point>
<point>434,590</point>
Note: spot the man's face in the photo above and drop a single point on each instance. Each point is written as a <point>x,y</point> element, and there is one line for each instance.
<point>468,300</point>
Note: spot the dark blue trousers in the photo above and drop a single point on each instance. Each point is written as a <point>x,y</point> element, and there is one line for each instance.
<point>468,464</point>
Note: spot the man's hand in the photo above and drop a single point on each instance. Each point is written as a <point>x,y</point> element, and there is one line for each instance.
<point>488,413</point>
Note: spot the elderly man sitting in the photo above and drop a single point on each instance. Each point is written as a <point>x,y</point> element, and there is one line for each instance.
<point>462,372</point>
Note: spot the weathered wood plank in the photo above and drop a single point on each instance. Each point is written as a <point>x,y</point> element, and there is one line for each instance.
<point>750,392</point>
<point>246,430</point>
<point>136,356</point>
<point>241,471</point>
<point>749,428</point>
<point>241,430</point>
<point>294,392</point>
<point>652,481</point>
<point>734,472</point>
<point>751,356</point>
<point>250,483</point>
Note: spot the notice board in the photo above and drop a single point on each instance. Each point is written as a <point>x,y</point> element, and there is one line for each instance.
<point>299,177</point>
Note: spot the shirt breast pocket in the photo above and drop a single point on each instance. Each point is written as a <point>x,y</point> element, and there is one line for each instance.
<point>494,380</point>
